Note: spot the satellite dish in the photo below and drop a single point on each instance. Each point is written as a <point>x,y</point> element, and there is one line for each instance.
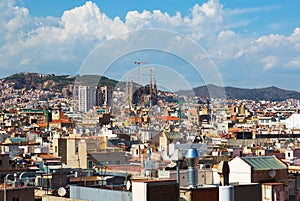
<point>128,185</point>
<point>62,191</point>
<point>272,173</point>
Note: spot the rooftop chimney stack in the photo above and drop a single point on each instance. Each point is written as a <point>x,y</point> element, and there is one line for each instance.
<point>192,159</point>
<point>223,171</point>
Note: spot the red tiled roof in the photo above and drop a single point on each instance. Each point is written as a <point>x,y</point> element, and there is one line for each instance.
<point>168,118</point>
<point>48,156</point>
<point>63,121</point>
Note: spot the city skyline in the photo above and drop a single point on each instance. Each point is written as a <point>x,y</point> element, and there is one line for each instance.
<point>251,44</point>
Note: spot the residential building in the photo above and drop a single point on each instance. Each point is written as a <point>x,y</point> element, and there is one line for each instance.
<point>83,152</point>
<point>266,170</point>
<point>88,97</point>
<point>19,193</point>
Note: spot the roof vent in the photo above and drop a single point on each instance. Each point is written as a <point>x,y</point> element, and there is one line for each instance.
<point>192,159</point>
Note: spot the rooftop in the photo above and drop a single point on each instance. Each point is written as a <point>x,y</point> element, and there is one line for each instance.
<point>265,163</point>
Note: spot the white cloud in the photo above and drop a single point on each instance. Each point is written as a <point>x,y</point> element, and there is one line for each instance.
<point>205,20</point>
<point>227,34</point>
<point>46,40</point>
<point>211,9</point>
<point>240,11</point>
<point>27,41</point>
<point>272,51</point>
<point>87,20</point>
<point>19,21</point>
<point>269,62</point>
<point>293,62</point>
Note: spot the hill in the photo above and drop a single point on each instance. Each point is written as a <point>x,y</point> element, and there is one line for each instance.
<point>38,81</point>
<point>269,93</point>
<point>53,82</point>
<point>57,82</point>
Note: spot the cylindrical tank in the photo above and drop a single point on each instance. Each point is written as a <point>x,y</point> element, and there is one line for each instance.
<point>226,193</point>
<point>192,159</point>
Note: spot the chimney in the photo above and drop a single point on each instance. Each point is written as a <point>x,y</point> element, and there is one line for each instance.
<point>192,159</point>
<point>226,192</point>
<point>223,171</point>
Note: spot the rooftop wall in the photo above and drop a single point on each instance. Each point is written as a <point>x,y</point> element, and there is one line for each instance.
<point>89,193</point>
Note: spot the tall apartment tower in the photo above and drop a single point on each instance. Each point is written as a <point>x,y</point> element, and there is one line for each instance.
<point>82,98</point>
<point>106,94</point>
<point>88,97</point>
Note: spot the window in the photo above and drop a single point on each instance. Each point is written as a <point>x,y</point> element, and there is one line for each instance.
<point>289,154</point>
<point>16,199</point>
<point>55,149</point>
<point>76,146</point>
<point>0,162</point>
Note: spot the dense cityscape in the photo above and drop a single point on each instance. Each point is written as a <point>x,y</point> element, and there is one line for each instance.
<point>133,142</point>
<point>149,100</point>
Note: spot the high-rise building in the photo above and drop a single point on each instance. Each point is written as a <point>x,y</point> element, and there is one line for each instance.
<point>82,98</point>
<point>88,97</point>
<point>106,94</point>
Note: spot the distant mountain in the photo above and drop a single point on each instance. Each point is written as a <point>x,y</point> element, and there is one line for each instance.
<point>54,82</point>
<point>269,93</point>
<point>57,82</point>
<point>97,79</point>
<point>38,81</point>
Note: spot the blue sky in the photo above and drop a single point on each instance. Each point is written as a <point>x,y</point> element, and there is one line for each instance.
<point>274,14</point>
<point>250,43</point>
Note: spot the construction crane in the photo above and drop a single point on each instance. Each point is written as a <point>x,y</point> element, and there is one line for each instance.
<point>139,70</point>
